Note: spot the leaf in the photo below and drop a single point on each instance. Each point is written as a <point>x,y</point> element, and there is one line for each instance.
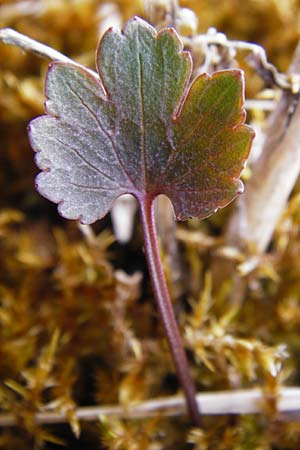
<point>140,129</point>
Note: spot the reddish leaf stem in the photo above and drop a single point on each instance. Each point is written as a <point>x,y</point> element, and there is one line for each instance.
<point>166,309</point>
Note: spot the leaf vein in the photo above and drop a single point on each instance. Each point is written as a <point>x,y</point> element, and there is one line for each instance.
<point>96,188</point>
<point>180,144</point>
<point>204,191</point>
<point>94,116</point>
<point>88,163</point>
<point>141,95</point>
<point>206,162</point>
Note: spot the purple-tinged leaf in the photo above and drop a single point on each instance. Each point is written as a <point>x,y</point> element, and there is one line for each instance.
<point>142,130</point>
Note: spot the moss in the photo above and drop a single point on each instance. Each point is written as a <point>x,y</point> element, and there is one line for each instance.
<point>75,330</point>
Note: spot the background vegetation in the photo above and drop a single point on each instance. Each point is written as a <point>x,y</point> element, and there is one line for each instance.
<point>78,325</point>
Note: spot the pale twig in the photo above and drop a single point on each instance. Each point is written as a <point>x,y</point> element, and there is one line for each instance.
<point>122,216</point>
<point>166,229</point>
<point>260,104</point>
<point>12,37</point>
<point>248,401</point>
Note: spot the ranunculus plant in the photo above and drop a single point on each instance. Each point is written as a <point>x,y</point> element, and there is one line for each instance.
<point>142,128</point>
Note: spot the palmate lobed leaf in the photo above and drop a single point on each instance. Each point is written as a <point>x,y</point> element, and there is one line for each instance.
<point>141,129</point>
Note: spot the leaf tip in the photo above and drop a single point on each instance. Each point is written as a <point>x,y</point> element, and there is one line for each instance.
<point>131,25</point>
<point>138,22</point>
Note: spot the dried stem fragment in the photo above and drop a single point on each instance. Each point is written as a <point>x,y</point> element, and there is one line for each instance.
<point>247,401</point>
<point>274,175</point>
